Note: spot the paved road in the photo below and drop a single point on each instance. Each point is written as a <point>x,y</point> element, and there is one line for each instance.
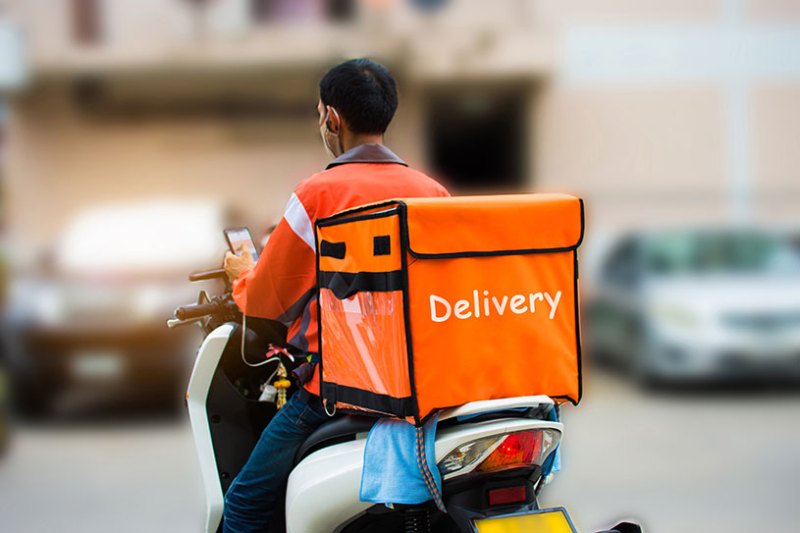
<point>682,462</point>
<point>123,469</point>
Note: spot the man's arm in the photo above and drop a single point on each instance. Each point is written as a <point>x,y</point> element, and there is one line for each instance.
<point>283,280</point>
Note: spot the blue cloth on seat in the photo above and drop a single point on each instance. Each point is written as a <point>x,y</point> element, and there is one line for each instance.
<point>394,472</point>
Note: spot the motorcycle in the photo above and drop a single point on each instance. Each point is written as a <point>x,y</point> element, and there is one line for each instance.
<point>493,455</point>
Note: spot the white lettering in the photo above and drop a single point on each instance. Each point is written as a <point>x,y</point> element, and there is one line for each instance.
<point>438,299</point>
<point>533,298</point>
<point>497,305</point>
<point>517,306</point>
<point>460,307</point>
<point>553,303</point>
<point>442,310</point>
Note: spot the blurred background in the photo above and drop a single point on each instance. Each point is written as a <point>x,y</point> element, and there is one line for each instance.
<point>131,133</point>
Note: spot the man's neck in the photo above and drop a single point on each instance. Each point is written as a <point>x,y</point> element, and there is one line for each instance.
<point>350,141</point>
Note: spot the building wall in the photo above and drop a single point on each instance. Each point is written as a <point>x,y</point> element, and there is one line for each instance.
<point>645,152</point>
<point>639,156</point>
<point>61,162</point>
<point>658,146</point>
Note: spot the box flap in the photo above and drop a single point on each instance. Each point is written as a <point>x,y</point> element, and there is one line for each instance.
<point>493,225</point>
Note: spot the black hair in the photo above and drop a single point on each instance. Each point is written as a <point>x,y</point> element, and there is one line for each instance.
<point>363,92</point>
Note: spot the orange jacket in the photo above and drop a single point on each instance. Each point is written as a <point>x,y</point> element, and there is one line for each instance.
<point>282,285</point>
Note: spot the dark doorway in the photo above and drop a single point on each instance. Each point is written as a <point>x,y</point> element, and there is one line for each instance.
<point>477,136</point>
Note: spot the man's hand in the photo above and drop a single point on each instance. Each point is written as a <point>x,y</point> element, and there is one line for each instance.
<point>234,264</point>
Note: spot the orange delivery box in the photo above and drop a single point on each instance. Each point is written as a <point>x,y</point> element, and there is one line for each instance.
<point>428,303</point>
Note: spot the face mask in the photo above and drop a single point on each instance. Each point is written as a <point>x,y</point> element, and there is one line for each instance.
<point>331,140</point>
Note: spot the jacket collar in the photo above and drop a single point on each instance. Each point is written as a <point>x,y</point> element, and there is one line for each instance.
<point>367,153</point>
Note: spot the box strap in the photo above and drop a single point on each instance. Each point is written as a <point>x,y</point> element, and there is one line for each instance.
<point>346,284</point>
<point>382,403</point>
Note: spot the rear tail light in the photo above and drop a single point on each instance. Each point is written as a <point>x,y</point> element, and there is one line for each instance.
<point>500,452</point>
<point>516,450</point>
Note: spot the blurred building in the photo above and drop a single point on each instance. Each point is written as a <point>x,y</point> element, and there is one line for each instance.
<point>658,111</point>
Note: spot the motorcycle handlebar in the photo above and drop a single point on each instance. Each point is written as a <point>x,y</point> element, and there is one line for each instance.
<point>187,312</point>
<point>207,274</point>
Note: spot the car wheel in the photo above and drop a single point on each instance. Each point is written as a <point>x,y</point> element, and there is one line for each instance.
<point>5,433</point>
<point>642,366</point>
<point>31,399</point>
<point>646,379</point>
<point>5,425</point>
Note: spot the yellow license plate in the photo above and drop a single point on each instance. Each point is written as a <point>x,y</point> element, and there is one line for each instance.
<point>545,521</point>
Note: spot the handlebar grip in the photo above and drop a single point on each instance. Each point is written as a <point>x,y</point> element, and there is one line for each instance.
<point>187,312</point>
<point>207,274</point>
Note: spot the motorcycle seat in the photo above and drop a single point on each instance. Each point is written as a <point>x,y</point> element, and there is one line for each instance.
<point>340,429</point>
<point>345,428</point>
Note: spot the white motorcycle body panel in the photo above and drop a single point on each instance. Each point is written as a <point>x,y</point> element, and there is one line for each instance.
<point>204,367</point>
<point>323,490</point>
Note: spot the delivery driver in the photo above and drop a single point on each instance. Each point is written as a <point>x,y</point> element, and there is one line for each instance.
<point>357,100</point>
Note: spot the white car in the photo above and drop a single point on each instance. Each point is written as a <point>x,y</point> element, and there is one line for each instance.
<point>714,304</point>
<point>94,315</point>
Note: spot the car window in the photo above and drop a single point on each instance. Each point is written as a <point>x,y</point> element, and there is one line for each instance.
<point>622,268</point>
<point>720,252</point>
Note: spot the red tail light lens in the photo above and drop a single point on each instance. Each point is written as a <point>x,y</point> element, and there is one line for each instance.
<point>516,450</point>
<point>507,495</point>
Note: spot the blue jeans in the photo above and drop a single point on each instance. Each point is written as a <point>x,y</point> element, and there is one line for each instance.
<point>259,488</point>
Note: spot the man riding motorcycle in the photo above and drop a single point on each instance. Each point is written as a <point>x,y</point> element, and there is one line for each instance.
<point>358,99</point>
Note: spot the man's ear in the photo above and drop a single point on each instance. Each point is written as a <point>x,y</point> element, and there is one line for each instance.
<point>334,122</point>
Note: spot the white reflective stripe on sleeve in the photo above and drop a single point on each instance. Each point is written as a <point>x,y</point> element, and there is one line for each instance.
<point>298,220</point>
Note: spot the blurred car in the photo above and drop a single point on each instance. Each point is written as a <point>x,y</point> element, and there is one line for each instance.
<point>682,305</point>
<point>5,427</point>
<point>93,312</point>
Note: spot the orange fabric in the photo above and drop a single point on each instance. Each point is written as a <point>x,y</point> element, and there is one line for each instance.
<point>482,327</point>
<point>518,353</point>
<point>282,285</point>
<point>358,240</point>
<point>491,223</point>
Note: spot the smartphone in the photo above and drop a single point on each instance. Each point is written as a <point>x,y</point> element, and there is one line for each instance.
<point>239,239</point>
